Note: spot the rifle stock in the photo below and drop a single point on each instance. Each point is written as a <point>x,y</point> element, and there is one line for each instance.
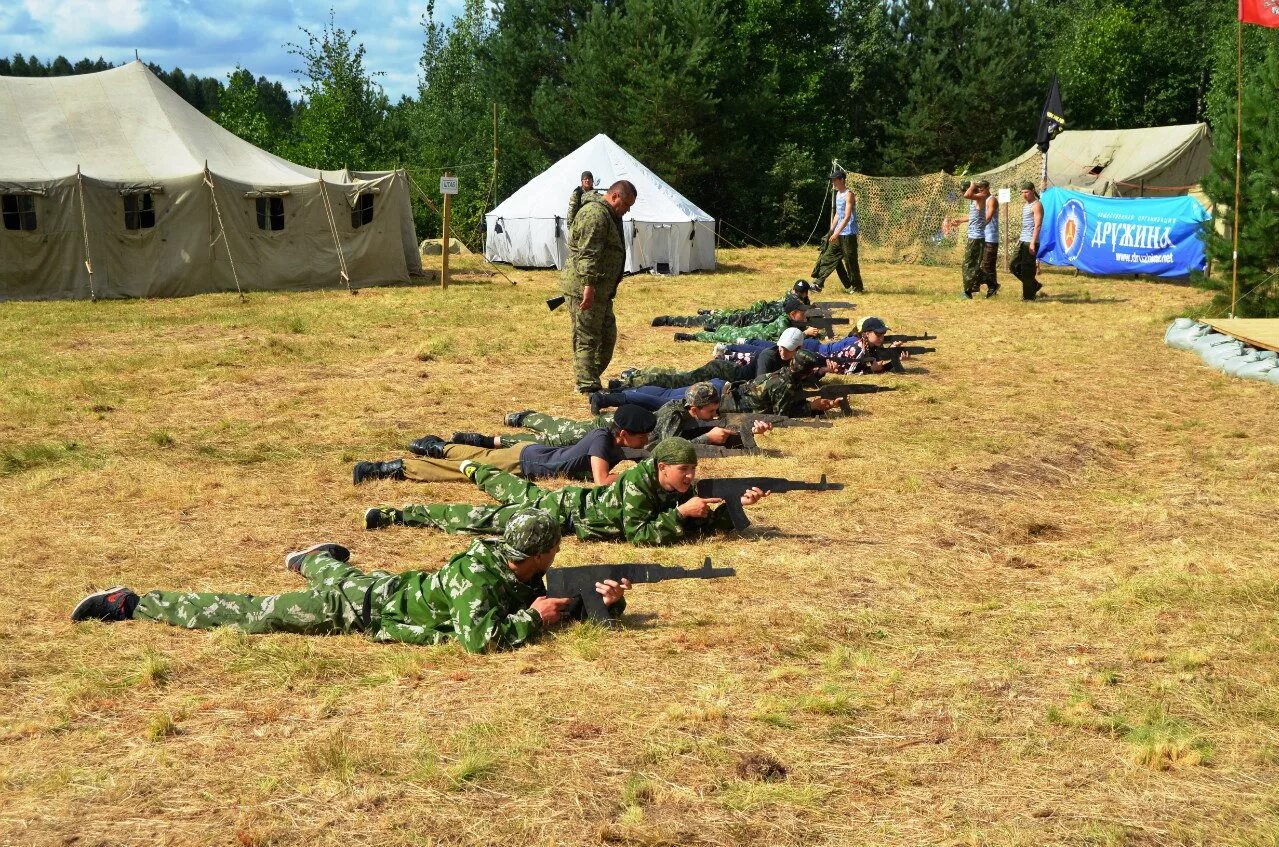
<point>578,583</point>
<point>553,303</point>
<point>730,490</point>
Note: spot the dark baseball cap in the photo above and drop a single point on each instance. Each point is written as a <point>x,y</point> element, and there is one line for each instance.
<point>791,303</point>
<point>873,324</point>
<point>634,419</point>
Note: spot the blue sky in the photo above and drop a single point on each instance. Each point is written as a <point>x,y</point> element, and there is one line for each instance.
<point>210,37</point>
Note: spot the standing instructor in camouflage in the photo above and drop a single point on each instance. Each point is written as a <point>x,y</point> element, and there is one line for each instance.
<point>596,259</point>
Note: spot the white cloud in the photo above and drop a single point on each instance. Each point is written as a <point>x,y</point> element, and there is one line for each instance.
<point>211,37</point>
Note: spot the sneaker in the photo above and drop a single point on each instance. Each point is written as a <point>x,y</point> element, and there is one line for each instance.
<point>380,516</point>
<point>719,351</point>
<point>816,286</point>
<point>428,445</point>
<point>293,561</point>
<point>517,418</point>
<point>627,374</point>
<point>114,604</point>
<point>468,469</point>
<point>992,290</point>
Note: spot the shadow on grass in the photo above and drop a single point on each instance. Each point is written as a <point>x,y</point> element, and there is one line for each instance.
<point>839,392</point>
<point>1075,300</point>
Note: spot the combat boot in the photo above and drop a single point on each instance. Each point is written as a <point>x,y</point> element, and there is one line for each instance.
<point>602,400</point>
<point>517,418</point>
<point>473,439</point>
<point>380,516</point>
<point>377,470</point>
<point>293,561</point>
<point>685,336</point>
<point>114,604</point>
<point>431,446</point>
<point>661,320</point>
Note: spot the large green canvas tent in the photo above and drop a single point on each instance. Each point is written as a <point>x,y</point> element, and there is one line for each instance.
<point>111,185</point>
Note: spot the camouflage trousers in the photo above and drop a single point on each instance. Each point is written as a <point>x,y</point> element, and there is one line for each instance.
<point>594,334</point>
<point>511,493</point>
<point>553,431</point>
<point>671,378</point>
<point>1023,267</point>
<point>989,264</point>
<point>971,268</point>
<point>333,603</point>
<point>840,256</point>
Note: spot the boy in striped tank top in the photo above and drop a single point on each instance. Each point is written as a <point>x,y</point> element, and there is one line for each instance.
<point>1024,263</point>
<point>839,250</point>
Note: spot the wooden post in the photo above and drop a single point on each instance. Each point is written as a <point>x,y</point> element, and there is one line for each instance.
<point>444,255</point>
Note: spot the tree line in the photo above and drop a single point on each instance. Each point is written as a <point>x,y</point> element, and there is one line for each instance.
<point>740,104</point>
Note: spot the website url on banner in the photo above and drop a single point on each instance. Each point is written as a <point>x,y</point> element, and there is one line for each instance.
<point>1140,259</point>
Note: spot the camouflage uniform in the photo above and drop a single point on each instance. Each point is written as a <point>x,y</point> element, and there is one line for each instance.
<point>671,378</point>
<point>634,507</point>
<point>597,257</point>
<point>777,393</point>
<point>475,598</point>
<point>758,312</point>
<point>770,331</point>
<point>553,431</point>
<point>672,419</point>
<point>574,203</point>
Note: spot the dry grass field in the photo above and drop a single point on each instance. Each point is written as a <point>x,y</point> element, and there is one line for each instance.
<point>1043,611</point>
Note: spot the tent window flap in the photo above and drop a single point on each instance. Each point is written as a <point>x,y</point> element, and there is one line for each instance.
<point>19,211</point>
<point>270,213</point>
<point>362,210</point>
<point>139,211</point>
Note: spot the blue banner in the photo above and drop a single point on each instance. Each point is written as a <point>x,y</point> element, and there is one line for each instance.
<point>1158,236</point>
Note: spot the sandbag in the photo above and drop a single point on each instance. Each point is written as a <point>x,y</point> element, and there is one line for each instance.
<point>1212,339</point>
<point>1215,357</point>
<point>1232,365</point>
<point>1272,376</point>
<point>1258,369</point>
<point>1183,332</point>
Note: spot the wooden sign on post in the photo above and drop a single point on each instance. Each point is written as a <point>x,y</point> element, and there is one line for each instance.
<point>448,187</point>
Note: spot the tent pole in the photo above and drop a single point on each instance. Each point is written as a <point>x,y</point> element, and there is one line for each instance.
<point>1234,257</point>
<point>84,225</point>
<point>208,180</point>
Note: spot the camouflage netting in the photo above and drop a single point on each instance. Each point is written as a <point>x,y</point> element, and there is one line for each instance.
<point>900,218</point>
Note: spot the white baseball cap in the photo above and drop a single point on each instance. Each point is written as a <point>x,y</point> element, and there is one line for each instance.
<point>792,339</point>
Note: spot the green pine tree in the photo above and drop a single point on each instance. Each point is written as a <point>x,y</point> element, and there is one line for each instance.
<point>1258,290</point>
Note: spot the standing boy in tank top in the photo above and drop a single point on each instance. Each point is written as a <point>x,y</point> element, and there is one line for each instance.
<point>1024,263</point>
<point>839,250</point>
<point>990,246</point>
<point>976,193</point>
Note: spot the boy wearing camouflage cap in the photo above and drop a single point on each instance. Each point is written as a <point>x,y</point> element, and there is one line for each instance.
<point>650,504</point>
<point>489,597</point>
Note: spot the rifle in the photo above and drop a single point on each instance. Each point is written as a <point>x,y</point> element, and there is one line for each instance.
<point>732,489</point>
<point>825,323</point>
<point>578,583</point>
<point>894,355</point>
<point>553,303</point>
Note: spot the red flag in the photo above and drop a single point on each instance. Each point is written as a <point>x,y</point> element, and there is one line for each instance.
<point>1264,12</point>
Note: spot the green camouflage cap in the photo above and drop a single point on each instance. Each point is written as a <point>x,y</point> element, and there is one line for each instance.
<point>805,360</point>
<point>528,533</point>
<point>675,451</point>
<point>701,394</point>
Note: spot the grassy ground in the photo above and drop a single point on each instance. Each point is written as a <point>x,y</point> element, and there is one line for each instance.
<point>1042,612</point>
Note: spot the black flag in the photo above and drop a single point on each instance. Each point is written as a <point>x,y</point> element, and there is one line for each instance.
<point>1051,121</point>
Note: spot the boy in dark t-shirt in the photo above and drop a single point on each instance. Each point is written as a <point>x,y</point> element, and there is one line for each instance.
<point>592,458</point>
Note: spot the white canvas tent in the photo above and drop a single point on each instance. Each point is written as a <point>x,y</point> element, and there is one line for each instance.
<point>528,228</point>
<point>113,171</point>
<point>1157,161</point>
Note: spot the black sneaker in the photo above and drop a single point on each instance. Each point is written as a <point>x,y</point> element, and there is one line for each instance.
<point>473,439</point>
<point>380,516</point>
<point>293,561</point>
<point>614,385</point>
<point>517,418</point>
<point>377,470</point>
<point>114,604</point>
<point>814,285</point>
<point>992,290</point>
<point>427,445</point>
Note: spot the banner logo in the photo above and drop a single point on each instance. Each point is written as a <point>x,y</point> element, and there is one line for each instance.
<point>1071,228</point>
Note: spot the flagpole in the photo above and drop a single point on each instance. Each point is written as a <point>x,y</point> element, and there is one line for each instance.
<point>1234,266</point>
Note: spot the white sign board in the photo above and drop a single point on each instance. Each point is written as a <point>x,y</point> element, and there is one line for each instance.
<point>448,185</point>
<point>1005,194</point>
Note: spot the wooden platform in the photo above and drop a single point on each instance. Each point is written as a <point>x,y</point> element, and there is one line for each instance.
<point>1262,333</point>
